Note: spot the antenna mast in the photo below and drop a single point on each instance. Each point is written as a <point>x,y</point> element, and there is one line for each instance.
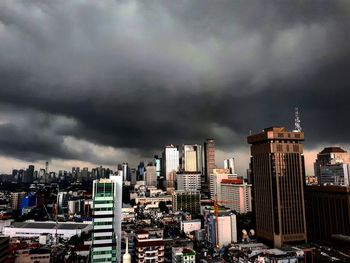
<point>297,124</point>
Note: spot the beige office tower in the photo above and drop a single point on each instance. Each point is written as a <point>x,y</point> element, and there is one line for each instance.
<point>191,158</point>
<point>278,179</point>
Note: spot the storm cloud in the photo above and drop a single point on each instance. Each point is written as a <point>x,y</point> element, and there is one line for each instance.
<point>109,81</point>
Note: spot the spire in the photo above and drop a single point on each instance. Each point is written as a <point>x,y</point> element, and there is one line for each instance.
<point>297,124</point>
<point>127,256</point>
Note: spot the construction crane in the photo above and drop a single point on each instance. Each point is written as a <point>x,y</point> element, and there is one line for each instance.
<point>216,212</point>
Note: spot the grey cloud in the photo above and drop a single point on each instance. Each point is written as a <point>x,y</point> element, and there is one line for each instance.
<point>137,75</point>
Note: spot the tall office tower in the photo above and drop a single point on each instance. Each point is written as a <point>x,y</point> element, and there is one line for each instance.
<point>158,164</point>
<point>186,201</point>
<point>126,172</point>
<point>332,166</point>
<point>236,195</point>
<point>28,175</point>
<point>133,176</point>
<point>192,158</point>
<point>170,165</point>
<point>4,248</point>
<point>327,211</point>
<point>209,159</point>
<point>278,177</point>
<point>151,175</point>
<point>188,181</point>
<point>141,172</point>
<point>230,164</point>
<point>215,181</point>
<point>107,205</point>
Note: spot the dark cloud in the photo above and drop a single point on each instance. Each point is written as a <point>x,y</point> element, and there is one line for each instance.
<point>133,75</point>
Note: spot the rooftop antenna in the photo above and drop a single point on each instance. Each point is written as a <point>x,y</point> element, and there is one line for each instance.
<point>297,124</point>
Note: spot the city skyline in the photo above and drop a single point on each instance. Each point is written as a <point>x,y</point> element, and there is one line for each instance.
<point>99,83</point>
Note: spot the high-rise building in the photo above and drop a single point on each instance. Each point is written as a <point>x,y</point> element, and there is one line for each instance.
<point>327,211</point>
<point>4,248</point>
<point>125,170</point>
<point>170,165</point>
<point>188,181</point>
<point>236,195</point>
<point>106,236</point>
<point>215,181</point>
<point>332,166</point>
<point>16,199</point>
<point>158,164</point>
<point>230,164</point>
<point>278,172</point>
<point>186,201</point>
<point>225,232</point>
<point>151,175</point>
<point>141,172</point>
<point>209,159</point>
<point>192,158</point>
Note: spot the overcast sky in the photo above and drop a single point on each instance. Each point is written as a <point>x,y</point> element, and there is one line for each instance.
<point>84,83</point>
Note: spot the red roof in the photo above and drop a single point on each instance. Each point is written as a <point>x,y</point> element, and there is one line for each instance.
<point>232,181</point>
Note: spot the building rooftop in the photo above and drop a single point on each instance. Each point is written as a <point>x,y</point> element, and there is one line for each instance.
<point>332,149</point>
<point>232,181</point>
<point>48,225</point>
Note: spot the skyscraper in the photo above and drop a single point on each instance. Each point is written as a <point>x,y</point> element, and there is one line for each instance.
<point>230,164</point>
<point>332,166</point>
<point>192,158</point>
<point>170,165</point>
<point>158,163</point>
<point>151,175</point>
<point>209,159</point>
<point>106,236</point>
<point>278,178</point>
<point>188,181</point>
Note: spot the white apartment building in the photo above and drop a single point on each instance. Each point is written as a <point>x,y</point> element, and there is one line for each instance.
<point>236,195</point>
<point>215,181</point>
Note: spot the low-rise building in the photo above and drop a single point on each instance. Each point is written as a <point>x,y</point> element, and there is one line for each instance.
<point>183,255</point>
<point>35,229</point>
<point>190,225</point>
<point>149,247</point>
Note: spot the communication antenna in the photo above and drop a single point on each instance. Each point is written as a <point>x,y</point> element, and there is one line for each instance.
<point>297,124</point>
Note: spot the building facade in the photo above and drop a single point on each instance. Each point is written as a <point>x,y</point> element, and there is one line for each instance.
<point>170,165</point>
<point>236,195</point>
<point>192,160</point>
<point>188,181</point>
<point>278,172</point>
<point>230,164</point>
<point>149,248</point>
<point>183,255</point>
<point>332,166</point>
<point>209,159</point>
<point>225,232</point>
<point>215,181</point>
<point>151,175</point>
<point>186,201</point>
<point>106,235</point>
<point>327,211</point>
